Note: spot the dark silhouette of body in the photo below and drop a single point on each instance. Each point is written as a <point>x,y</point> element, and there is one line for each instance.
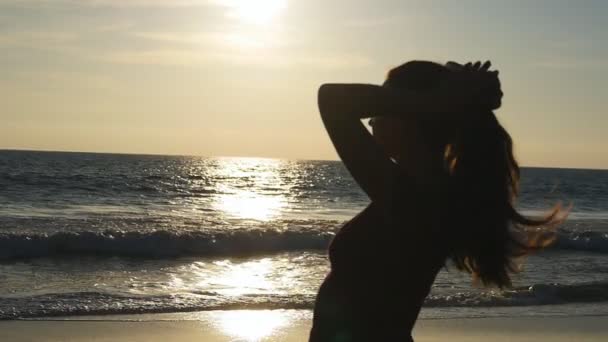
<point>441,176</point>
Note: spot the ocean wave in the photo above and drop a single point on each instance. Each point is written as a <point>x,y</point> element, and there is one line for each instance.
<point>314,235</point>
<point>588,241</point>
<point>100,303</point>
<point>164,243</point>
<point>537,294</point>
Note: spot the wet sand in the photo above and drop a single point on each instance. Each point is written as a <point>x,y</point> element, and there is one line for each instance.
<point>290,325</point>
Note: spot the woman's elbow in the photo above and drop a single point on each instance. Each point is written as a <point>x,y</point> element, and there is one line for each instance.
<point>326,98</point>
<point>324,93</point>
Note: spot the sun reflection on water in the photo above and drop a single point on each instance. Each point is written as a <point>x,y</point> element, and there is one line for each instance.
<point>251,188</point>
<point>247,277</point>
<point>250,205</point>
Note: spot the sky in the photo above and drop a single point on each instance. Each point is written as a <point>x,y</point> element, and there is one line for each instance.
<point>239,77</point>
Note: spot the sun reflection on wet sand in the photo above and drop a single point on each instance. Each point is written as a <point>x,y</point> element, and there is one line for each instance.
<point>250,325</point>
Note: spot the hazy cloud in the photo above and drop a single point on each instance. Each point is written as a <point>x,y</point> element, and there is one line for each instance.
<point>115,3</point>
<point>36,38</point>
<point>381,22</point>
<point>564,63</point>
<point>60,78</point>
<point>134,3</point>
<point>218,39</point>
<point>192,57</point>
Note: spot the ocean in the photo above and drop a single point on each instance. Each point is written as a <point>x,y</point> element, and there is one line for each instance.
<point>97,234</point>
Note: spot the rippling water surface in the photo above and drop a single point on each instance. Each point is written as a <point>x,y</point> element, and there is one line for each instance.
<point>105,234</point>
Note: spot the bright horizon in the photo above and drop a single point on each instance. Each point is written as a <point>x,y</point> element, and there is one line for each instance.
<point>239,78</point>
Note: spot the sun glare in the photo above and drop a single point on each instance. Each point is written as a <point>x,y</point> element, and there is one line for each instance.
<point>252,188</point>
<point>257,11</point>
<point>248,277</point>
<point>250,325</point>
<point>249,205</point>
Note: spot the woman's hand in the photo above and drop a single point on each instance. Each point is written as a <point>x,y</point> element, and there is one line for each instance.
<point>474,85</point>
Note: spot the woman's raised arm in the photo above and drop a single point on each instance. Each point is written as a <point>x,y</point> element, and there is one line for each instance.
<point>342,107</point>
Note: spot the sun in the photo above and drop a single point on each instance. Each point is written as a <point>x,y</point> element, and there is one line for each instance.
<point>256,11</point>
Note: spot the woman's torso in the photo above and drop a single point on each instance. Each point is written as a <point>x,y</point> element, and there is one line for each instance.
<point>385,260</point>
<point>377,265</point>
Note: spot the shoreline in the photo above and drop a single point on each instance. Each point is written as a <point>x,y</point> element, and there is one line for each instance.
<point>290,325</point>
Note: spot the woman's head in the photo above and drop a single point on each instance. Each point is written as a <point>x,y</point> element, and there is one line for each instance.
<point>391,131</point>
<point>483,231</point>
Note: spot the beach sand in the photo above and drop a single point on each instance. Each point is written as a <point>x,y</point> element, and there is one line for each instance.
<point>291,325</point>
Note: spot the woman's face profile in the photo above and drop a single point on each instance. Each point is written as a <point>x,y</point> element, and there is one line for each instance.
<point>388,133</point>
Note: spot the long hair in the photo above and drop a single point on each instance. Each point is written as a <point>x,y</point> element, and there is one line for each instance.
<point>486,234</point>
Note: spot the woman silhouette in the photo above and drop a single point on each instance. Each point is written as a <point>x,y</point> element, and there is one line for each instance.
<point>440,172</point>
